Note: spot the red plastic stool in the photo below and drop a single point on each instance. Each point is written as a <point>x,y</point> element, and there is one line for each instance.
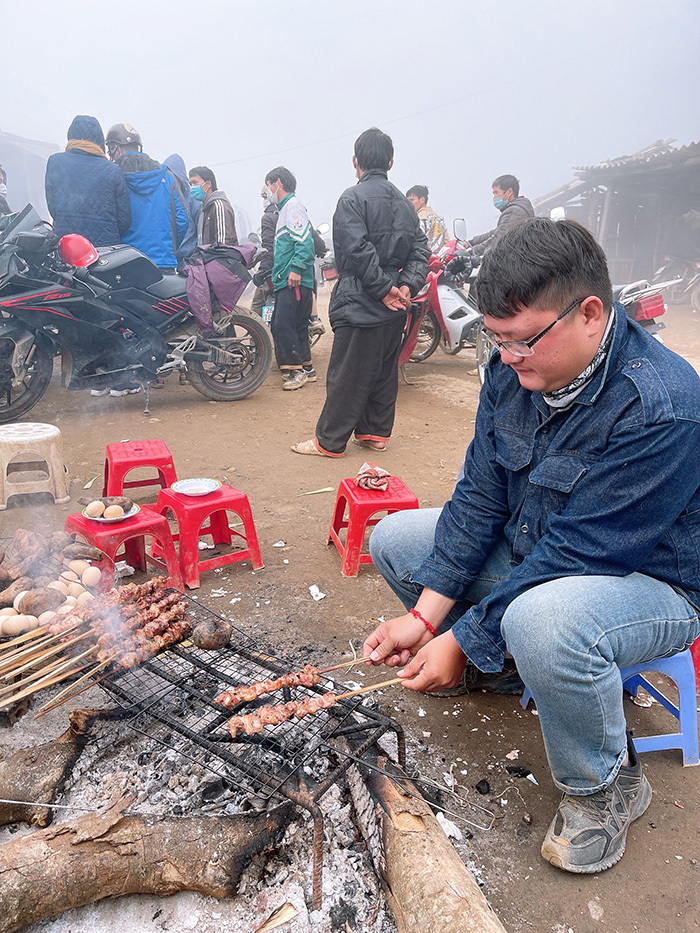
<point>192,512</point>
<point>695,653</point>
<point>110,536</point>
<point>130,455</point>
<point>362,504</point>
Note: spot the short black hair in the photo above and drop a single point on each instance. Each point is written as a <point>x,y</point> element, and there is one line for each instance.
<point>504,182</point>
<point>419,191</point>
<point>374,149</point>
<point>205,174</point>
<point>289,182</point>
<point>542,262</point>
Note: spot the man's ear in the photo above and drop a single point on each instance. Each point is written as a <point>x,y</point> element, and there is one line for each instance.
<point>594,314</point>
<point>354,162</point>
<point>391,165</point>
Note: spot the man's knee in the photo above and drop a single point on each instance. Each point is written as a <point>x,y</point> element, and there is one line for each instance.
<point>403,540</point>
<point>544,623</point>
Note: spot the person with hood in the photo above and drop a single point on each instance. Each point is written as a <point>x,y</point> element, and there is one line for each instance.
<point>158,216</point>
<point>264,294</point>
<point>176,165</point>
<point>515,210</point>
<point>217,221</point>
<point>85,192</point>
<point>4,206</point>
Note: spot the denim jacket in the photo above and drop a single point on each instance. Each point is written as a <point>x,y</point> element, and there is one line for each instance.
<point>609,485</point>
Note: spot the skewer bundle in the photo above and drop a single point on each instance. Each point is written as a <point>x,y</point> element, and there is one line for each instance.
<point>124,626</point>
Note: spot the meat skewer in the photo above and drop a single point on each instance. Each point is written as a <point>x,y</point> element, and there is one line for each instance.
<point>308,676</point>
<point>273,715</point>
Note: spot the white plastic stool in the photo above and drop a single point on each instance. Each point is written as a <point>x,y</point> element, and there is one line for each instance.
<point>27,451</point>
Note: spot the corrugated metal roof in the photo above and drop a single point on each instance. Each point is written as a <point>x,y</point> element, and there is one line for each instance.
<point>657,155</point>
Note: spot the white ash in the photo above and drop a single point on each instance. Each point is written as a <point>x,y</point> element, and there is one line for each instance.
<point>118,762</point>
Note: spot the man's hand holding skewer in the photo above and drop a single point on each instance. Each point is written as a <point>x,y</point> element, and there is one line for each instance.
<point>430,661</point>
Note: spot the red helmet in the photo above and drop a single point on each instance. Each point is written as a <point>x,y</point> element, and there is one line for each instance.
<point>77,250</point>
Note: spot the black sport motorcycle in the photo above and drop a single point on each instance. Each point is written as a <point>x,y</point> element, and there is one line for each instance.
<point>113,321</point>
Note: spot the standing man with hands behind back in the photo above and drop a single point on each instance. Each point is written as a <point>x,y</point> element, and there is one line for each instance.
<point>382,258</point>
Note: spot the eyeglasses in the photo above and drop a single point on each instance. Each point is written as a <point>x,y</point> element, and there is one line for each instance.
<point>524,347</point>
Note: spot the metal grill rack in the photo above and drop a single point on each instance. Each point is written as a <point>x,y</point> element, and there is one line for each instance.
<point>170,699</point>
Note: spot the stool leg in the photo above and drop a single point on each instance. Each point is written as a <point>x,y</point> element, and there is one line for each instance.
<point>684,676</point>
<point>218,527</point>
<point>338,516</point>
<point>105,481</point>
<point>350,566</point>
<point>251,535</point>
<point>189,556</point>
<point>135,552</point>
<point>167,475</point>
<point>167,549</point>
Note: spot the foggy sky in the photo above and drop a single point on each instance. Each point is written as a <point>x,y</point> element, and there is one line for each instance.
<point>467,90</point>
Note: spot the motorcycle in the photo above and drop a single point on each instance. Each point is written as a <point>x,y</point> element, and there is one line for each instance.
<point>444,314</point>
<point>685,286</point>
<point>112,317</point>
<point>644,302</point>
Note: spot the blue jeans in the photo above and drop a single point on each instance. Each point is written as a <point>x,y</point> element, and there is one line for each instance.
<point>569,638</point>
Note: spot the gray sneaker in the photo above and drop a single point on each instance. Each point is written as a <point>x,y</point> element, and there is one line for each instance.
<point>295,380</point>
<point>506,682</point>
<point>588,834</point>
<point>311,375</point>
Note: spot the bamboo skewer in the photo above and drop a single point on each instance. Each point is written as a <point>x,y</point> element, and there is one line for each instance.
<point>41,685</point>
<point>44,654</point>
<point>337,667</point>
<point>383,683</point>
<point>57,701</point>
<point>10,659</point>
<point>20,639</point>
<point>34,675</point>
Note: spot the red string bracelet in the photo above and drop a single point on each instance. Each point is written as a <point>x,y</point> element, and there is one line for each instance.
<point>417,615</point>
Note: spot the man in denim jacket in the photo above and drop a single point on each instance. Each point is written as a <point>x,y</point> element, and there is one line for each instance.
<point>572,543</point>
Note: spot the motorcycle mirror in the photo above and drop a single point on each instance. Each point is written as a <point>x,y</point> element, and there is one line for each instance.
<point>557,213</point>
<point>323,229</point>
<point>459,228</point>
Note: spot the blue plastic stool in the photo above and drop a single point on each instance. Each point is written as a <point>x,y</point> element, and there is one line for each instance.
<point>682,672</point>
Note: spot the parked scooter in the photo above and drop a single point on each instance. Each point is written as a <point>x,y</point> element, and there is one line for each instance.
<point>112,316</point>
<point>685,284</point>
<point>444,314</point>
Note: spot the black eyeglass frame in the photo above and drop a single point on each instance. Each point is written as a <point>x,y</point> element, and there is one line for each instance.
<point>527,344</point>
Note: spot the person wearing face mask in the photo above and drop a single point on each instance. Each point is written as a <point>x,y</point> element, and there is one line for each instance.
<point>264,293</point>
<point>217,221</point>
<point>292,278</point>
<point>514,208</point>
<point>4,206</point>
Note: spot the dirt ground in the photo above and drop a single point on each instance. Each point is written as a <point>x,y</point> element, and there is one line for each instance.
<point>656,887</point>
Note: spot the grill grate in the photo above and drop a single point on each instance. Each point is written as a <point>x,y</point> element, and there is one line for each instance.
<point>170,698</point>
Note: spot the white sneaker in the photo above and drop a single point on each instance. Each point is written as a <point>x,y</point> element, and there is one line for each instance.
<point>99,393</point>
<point>120,393</point>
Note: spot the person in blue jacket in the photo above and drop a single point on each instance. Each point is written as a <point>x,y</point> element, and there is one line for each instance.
<point>85,192</point>
<point>159,220</point>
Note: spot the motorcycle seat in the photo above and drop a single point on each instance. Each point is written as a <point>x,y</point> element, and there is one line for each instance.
<point>170,286</point>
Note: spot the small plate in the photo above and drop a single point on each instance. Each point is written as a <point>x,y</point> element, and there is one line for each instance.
<point>196,487</point>
<point>134,510</point>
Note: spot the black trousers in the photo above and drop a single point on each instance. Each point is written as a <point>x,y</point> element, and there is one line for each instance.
<point>290,327</point>
<point>361,385</point>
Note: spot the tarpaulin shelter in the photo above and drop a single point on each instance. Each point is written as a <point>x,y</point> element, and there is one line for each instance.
<point>24,160</point>
<point>641,207</point>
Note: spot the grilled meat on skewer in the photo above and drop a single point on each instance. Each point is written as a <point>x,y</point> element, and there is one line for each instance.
<point>308,676</point>
<point>273,715</point>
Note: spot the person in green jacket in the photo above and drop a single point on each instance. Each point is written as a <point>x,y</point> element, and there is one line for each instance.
<point>292,280</point>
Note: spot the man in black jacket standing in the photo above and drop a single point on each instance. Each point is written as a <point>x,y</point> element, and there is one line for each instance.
<point>382,260</point>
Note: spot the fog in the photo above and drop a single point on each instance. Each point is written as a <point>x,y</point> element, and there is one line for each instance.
<point>467,91</point>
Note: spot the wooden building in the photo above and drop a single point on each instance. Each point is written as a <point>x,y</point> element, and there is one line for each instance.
<point>640,207</point>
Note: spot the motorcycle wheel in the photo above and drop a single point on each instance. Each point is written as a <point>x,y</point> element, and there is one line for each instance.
<point>245,336</point>
<point>17,401</point>
<point>483,353</point>
<point>428,338</point>
<point>695,297</point>
<point>676,294</point>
